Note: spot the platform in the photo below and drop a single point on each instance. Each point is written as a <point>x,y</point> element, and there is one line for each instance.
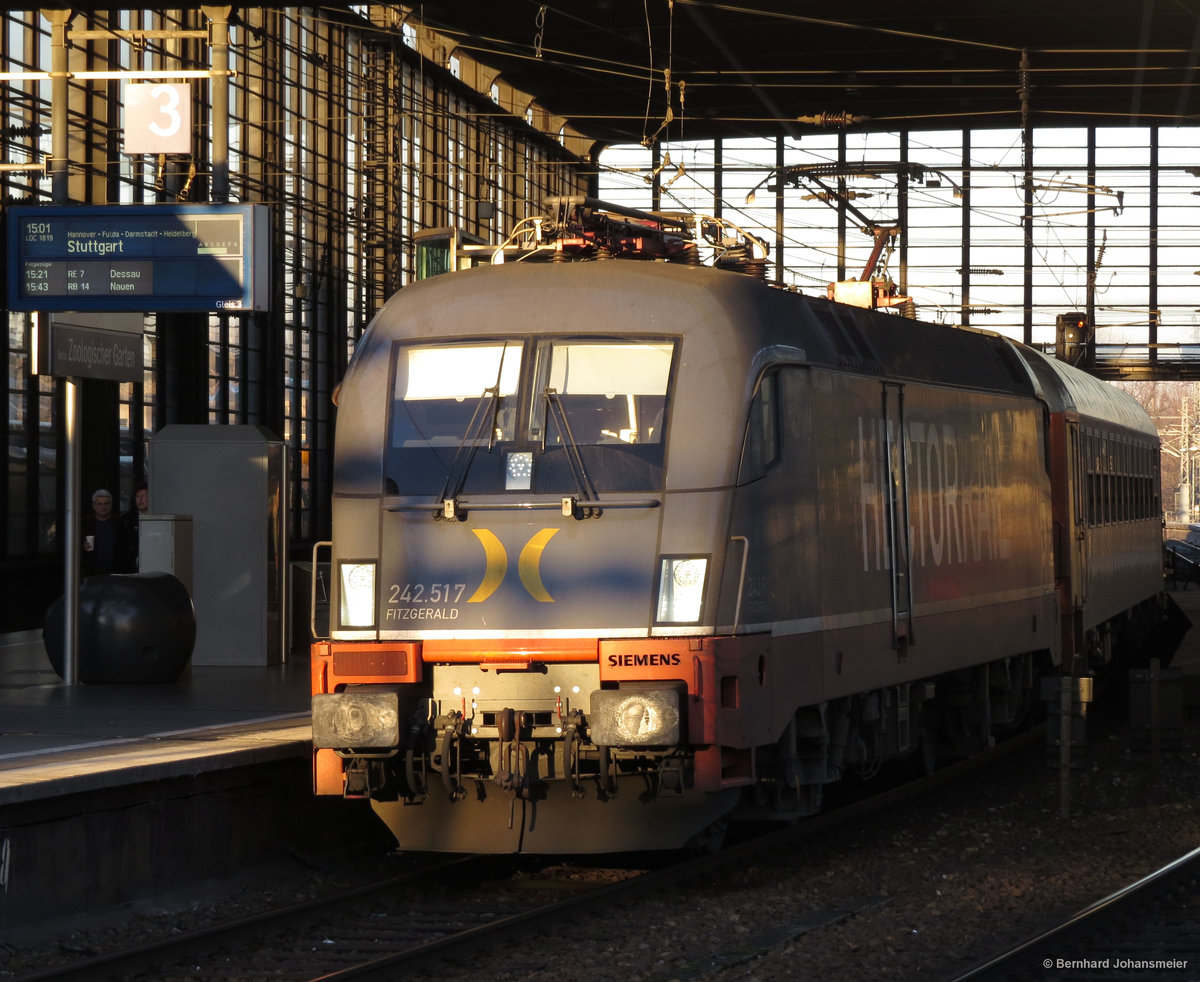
<point>111,794</point>
<point>57,739</point>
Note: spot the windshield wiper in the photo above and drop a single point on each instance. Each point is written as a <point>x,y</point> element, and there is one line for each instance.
<point>486,411</point>
<point>579,474</point>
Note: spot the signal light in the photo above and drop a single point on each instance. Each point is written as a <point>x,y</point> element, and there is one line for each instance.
<point>1071,336</point>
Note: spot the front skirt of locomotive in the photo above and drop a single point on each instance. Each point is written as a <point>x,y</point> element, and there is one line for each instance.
<point>492,822</point>
<point>506,762</point>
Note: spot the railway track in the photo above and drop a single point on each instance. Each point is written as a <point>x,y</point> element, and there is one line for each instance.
<point>1147,930</point>
<point>348,934</point>
<point>377,931</point>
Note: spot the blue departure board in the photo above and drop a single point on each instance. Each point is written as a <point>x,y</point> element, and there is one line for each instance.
<point>139,257</point>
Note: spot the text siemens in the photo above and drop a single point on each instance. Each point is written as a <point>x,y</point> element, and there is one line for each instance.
<point>644,661</point>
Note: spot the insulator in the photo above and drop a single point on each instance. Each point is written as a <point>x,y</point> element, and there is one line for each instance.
<point>832,119</point>
<point>751,267</point>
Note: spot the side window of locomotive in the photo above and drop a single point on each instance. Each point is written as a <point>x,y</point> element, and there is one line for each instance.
<point>761,448</point>
<point>607,400</point>
<point>448,397</point>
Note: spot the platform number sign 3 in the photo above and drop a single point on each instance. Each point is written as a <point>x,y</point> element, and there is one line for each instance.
<point>158,118</point>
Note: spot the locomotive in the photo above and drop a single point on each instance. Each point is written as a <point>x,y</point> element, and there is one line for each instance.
<point>625,549</point>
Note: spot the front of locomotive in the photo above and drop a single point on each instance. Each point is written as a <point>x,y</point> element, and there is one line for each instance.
<point>528,514</point>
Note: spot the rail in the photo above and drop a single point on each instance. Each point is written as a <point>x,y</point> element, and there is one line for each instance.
<point>1184,561</point>
<point>1143,901</point>
<point>324,937</point>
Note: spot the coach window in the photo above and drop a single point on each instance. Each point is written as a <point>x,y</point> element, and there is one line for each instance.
<point>1107,481</point>
<point>1139,508</point>
<point>1118,481</point>
<point>1078,475</point>
<point>1093,479</point>
<point>1148,460</point>
<point>1130,484</point>
<point>1111,479</point>
<point>1105,497</point>
<point>1147,482</point>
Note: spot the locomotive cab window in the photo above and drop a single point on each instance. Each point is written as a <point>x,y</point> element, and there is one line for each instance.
<point>604,400</point>
<point>609,392</point>
<point>440,390</point>
<point>446,398</point>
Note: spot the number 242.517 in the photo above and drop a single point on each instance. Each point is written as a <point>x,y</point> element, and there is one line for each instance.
<point>419,593</point>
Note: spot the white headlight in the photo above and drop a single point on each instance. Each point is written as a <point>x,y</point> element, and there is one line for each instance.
<point>681,589</point>
<point>358,595</point>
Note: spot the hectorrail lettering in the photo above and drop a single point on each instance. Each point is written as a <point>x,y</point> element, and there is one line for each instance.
<point>954,493</point>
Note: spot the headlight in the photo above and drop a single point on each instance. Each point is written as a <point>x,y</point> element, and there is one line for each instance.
<point>681,589</point>
<point>356,719</point>
<point>357,607</point>
<point>635,717</point>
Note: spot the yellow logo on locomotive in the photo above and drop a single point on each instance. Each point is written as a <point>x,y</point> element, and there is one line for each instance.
<point>528,565</point>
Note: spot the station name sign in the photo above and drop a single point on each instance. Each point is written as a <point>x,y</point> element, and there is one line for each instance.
<point>139,257</point>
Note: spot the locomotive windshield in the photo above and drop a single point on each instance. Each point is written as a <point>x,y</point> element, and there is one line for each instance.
<point>488,416</point>
<point>439,391</point>
<point>610,393</point>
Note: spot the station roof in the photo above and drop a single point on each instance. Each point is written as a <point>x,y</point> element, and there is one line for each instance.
<point>754,67</point>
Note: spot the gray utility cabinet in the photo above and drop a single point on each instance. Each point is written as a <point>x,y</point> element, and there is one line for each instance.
<point>232,480</point>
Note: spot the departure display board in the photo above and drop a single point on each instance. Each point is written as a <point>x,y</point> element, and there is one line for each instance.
<point>139,257</point>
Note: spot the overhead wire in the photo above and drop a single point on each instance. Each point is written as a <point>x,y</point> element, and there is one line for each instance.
<point>1010,218</point>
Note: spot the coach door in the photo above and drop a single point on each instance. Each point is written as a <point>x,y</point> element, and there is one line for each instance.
<point>895,452</point>
<point>1075,572</point>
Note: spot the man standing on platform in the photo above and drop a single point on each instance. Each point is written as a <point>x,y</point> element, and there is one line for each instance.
<point>100,534</point>
<point>129,537</point>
